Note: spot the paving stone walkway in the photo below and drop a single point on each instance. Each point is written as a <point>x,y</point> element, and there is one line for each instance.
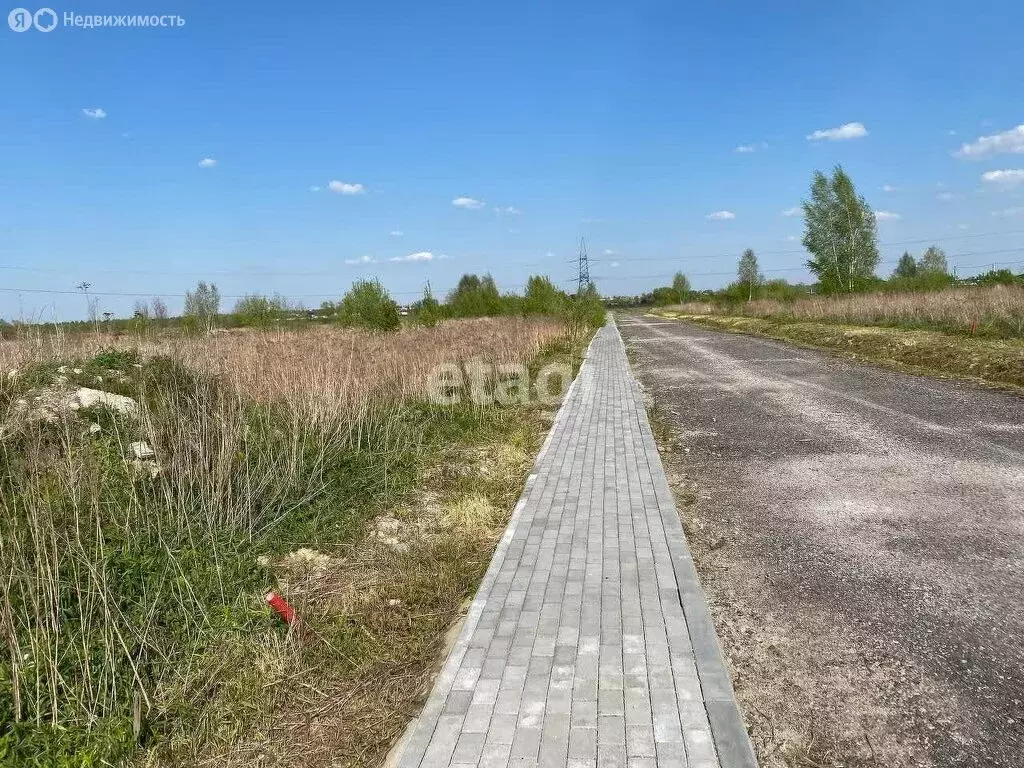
<point>589,642</point>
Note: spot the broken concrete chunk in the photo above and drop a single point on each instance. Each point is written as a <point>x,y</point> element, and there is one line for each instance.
<point>90,398</point>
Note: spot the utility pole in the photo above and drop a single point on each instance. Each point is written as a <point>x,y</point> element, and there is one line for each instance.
<point>584,268</point>
<point>90,310</point>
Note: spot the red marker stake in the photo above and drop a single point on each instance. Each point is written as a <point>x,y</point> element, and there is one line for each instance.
<point>282,608</point>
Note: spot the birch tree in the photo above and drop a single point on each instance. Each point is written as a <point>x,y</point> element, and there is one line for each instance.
<point>840,233</point>
<point>747,273</point>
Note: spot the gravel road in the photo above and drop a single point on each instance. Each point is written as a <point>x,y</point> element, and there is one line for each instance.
<point>860,535</point>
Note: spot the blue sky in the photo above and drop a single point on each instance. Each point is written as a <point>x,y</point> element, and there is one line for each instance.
<point>619,122</point>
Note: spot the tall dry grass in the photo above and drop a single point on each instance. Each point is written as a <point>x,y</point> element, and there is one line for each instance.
<point>321,366</point>
<point>120,602</point>
<point>993,310</point>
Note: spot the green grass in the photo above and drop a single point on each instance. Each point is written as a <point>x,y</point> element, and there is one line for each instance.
<point>132,615</point>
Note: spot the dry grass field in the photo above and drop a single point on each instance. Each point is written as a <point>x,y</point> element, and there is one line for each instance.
<point>994,311</point>
<point>132,617</point>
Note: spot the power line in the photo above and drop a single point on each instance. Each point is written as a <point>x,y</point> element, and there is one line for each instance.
<point>889,262</point>
<point>343,270</point>
<point>792,251</point>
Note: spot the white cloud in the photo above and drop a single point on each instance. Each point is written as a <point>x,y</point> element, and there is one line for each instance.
<point>614,264</point>
<point>720,216</point>
<point>314,188</point>
<point>951,132</point>
<point>1007,212</point>
<point>889,188</point>
<point>842,133</point>
<point>361,260</point>
<point>1009,142</point>
<point>468,202</point>
<point>344,188</point>
<point>796,210</point>
<point>791,238</point>
<point>418,256</point>
<point>744,149</point>
<point>95,113</point>
<point>963,226</point>
<point>945,196</point>
<point>207,162</point>
<point>508,210</point>
<point>608,252</point>
<point>887,216</point>
<point>1004,178</point>
<point>396,233</point>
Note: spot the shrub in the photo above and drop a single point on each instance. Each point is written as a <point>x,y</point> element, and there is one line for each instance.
<point>542,297</point>
<point>584,311</point>
<point>664,296</point>
<point>427,311</point>
<point>475,297</point>
<point>259,311</point>
<point>368,305</point>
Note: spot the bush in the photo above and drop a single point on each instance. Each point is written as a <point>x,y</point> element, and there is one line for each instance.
<point>996,277</point>
<point>923,280</point>
<point>368,305</point>
<point>427,312</point>
<point>257,311</point>
<point>475,297</point>
<point>584,311</point>
<point>542,297</point>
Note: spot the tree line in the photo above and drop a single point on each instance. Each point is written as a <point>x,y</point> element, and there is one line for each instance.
<point>368,304</point>
<point>840,233</point>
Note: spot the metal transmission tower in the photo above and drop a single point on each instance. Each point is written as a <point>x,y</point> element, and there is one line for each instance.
<point>584,279</point>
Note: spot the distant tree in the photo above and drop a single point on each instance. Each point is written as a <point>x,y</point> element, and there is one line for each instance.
<point>141,309</point>
<point>464,298</point>
<point>933,261</point>
<point>747,274</point>
<point>368,305</point>
<point>681,285</point>
<point>664,296</point>
<point>840,233</point>
<point>997,277</point>
<point>781,290</point>
<point>158,308</point>
<point>907,268</point>
<point>489,296</point>
<point>541,297</point>
<point>428,311</point>
<point>259,311</point>
<point>203,304</point>
<point>475,297</point>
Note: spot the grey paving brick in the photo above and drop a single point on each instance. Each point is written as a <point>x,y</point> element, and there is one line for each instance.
<point>589,642</point>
